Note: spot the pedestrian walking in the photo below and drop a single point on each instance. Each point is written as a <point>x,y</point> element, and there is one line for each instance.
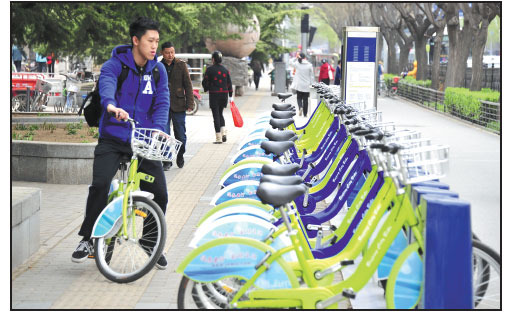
<point>326,72</point>
<point>50,64</point>
<point>18,55</point>
<point>217,81</point>
<point>41,62</point>
<point>144,99</point>
<point>304,78</point>
<point>257,67</point>
<point>181,98</point>
<point>338,73</point>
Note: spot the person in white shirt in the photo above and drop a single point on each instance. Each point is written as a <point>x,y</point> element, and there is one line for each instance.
<point>304,78</point>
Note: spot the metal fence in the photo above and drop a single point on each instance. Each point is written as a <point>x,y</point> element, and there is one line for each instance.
<point>491,76</point>
<point>488,116</point>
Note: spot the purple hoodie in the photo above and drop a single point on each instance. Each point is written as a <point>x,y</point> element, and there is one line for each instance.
<point>144,100</point>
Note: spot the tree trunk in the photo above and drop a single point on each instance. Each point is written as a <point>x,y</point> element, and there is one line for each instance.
<point>422,61</point>
<point>380,45</point>
<point>404,57</point>
<point>459,47</point>
<point>392,62</point>
<point>435,67</point>
<point>479,44</point>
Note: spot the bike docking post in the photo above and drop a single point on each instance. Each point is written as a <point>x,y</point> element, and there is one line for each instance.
<point>448,253</point>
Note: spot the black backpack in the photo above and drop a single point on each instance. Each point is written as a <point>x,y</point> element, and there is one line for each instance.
<point>92,104</point>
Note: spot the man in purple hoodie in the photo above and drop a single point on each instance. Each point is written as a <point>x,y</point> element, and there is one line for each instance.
<point>140,97</point>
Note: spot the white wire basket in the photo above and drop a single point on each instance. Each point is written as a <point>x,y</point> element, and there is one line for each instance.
<point>150,144</point>
<point>73,88</point>
<point>359,106</point>
<point>424,163</point>
<point>370,117</point>
<point>403,135</point>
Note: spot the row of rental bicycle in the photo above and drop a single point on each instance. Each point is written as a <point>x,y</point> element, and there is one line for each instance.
<point>300,204</point>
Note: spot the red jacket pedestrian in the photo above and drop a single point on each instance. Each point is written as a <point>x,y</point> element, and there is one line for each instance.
<point>324,75</point>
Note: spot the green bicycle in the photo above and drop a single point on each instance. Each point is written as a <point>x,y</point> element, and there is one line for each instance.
<point>129,235</point>
<point>245,273</point>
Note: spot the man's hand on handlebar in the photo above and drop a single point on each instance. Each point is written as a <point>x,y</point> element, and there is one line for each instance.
<point>118,113</point>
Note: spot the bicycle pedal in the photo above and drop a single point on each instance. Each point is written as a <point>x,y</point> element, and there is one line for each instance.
<point>348,293</point>
<point>91,256</point>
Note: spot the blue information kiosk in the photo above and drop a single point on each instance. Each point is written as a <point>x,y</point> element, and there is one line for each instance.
<point>359,65</point>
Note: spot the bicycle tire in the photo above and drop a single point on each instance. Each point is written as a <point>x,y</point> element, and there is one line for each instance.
<point>18,103</point>
<point>195,107</point>
<point>486,276</point>
<point>197,295</point>
<point>130,250</point>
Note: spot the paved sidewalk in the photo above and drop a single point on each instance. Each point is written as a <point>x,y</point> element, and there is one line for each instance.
<point>49,280</point>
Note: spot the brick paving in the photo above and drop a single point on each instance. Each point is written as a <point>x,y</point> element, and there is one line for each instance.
<point>49,280</point>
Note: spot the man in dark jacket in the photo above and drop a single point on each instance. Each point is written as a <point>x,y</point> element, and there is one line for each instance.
<point>181,98</point>
<point>257,67</point>
<point>140,98</point>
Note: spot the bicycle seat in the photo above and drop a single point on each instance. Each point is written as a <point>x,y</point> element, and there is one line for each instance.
<point>276,148</point>
<point>278,136</point>
<point>281,123</point>
<point>284,180</point>
<point>283,106</point>
<point>284,96</point>
<point>280,170</point>
<point>278,194</point>
<point>376,135</point>
<point>282,114</point>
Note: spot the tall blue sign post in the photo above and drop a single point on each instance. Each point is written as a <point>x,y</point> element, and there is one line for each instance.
<point>359,65</point>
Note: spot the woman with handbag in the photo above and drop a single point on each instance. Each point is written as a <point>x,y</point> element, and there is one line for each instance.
<point>217,81</point>
<point>304,78</point>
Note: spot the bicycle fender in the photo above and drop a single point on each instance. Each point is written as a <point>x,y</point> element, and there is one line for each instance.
<point>253,141</point>
<point>237,257</point>
<point>239,210</point>
<point>241,226</point>
<point>243,202</point>
<point>147,195</point>
<point>242,189</point>
<point>261,160</point>
<point>251,151</point>
<point>245,172</point>
<point>108,219</point>
<point>108,222</point>
<point>405,285</point>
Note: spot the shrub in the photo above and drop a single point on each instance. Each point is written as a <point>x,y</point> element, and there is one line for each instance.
<point>467,102</point>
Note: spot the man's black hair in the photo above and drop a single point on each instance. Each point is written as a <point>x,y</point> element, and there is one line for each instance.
<point>166,45</point>
<point>141,25</point>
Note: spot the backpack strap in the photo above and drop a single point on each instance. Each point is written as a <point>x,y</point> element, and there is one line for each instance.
<point>156,74</point>
<point>122,76</point>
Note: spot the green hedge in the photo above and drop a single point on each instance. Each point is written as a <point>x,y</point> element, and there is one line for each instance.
<point>467,102</point>
<point>388,78</point>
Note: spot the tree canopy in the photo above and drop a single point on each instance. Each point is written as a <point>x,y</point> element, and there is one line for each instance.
<point>94,28</point>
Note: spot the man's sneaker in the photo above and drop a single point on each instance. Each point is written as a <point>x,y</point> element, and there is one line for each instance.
<point>167,165</point>
<point>83,250</point>
<point>180,161</point>
<point>162,263</point>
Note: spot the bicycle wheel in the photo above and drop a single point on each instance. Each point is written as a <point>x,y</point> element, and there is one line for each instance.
<point>195,108</point>
<point>124,260</point>
<point>486,277</point>
<point>196,295</point>
<point>18,103</point>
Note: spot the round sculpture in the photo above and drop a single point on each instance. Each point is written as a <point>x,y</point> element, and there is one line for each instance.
<point>237,48</point>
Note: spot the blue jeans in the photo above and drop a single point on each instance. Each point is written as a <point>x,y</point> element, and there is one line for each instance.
<point>179,124</point>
